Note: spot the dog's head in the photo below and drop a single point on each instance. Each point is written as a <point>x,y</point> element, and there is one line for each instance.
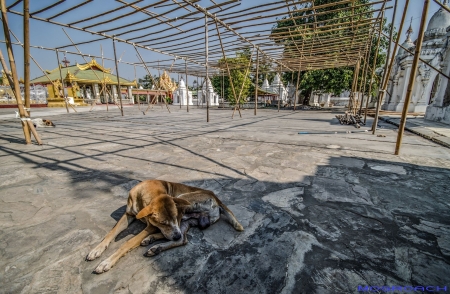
<point>165,213</point>
<point>48,123</point>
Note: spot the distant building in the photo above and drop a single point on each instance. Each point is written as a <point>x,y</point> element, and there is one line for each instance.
<point>84,82</point>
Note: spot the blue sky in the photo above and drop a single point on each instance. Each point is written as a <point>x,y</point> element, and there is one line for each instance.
<point>48,35</point>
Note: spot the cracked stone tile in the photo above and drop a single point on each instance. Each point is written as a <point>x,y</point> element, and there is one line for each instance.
<point>326,189</point>
<point>397,169</point>
<point>287,199</point>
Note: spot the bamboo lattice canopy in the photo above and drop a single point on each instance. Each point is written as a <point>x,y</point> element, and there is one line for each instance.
<point>289,35</point>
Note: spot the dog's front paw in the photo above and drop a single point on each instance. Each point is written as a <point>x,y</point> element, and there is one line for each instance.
<point>155,250</point>
<point>239,227</point>
<point>148,240</point>
<point>104,266</point>
<point>96,252</point>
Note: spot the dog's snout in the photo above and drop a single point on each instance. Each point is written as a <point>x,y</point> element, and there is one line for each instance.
<point>176,236</point>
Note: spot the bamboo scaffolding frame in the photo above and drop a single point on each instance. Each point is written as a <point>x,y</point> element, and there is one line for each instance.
<point>235,15</point>
<point>27,125</point>
<point>320,48</point>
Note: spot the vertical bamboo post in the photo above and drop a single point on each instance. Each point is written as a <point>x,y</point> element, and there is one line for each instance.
<point>104,86</point>
<point>223,89</point>
<point>352,101</point>
<point>197,91</point>
<point>412,77</point>
<point>138,99</point>
<point>256,81</point>
<point>296,87</point>
<point>179,100</point>
<point>366,68</point>
<point>118,76</point>
<point>374,64</point>
<point>187,86</point>
<point>206,63</point>
<point>279,91</point>
<point>62,82</point>
<point>26,53</point>
<point>385,76</point>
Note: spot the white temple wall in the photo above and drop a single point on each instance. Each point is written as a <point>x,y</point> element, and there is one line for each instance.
<point>437,111</point>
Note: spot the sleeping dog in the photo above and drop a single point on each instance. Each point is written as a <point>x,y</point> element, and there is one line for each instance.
<point>162,206</point>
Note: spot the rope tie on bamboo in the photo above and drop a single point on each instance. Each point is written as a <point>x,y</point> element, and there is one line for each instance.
<point>21,118</point>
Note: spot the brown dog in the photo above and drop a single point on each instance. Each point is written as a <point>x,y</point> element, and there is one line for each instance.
<point>161,205</point>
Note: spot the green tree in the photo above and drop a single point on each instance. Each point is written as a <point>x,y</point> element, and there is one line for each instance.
<point>331,80</point>
<point>147,82</point>
<point>238,66</point>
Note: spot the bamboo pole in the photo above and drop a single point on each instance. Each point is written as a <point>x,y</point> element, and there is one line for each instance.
<point>243,84</point>
<point>351,102</point>
<point>367,60</point>
<point>296,87</point>
<point>62,82</point>
<point>119,90</point>
<point>374,64</point>
<point>26,54</point>
<point>412,77</point>
<point>206,63</point>
<point>27,125</point>
<point>104,87</point>
<point>187,86</point>
<point>256,81</point>
<point>385,73</point>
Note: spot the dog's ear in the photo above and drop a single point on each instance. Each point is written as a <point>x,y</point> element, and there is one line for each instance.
<point>181,204</point>
<point>144,212</point>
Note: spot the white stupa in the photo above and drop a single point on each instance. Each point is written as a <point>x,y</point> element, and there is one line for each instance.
<point>278,87</point>
<point>182,95</point>
<point>210,95</point>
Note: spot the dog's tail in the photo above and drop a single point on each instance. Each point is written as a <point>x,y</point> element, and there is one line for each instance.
<point>230,216</point>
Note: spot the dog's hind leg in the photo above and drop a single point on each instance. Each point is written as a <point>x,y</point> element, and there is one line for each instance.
<point>121,225</point>
<point>230,216</point>
<point>134,242</point>
<point>184,227</point>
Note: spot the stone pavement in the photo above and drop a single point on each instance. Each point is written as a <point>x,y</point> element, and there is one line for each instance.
<point>432,130</point>
<point>323,212</point>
